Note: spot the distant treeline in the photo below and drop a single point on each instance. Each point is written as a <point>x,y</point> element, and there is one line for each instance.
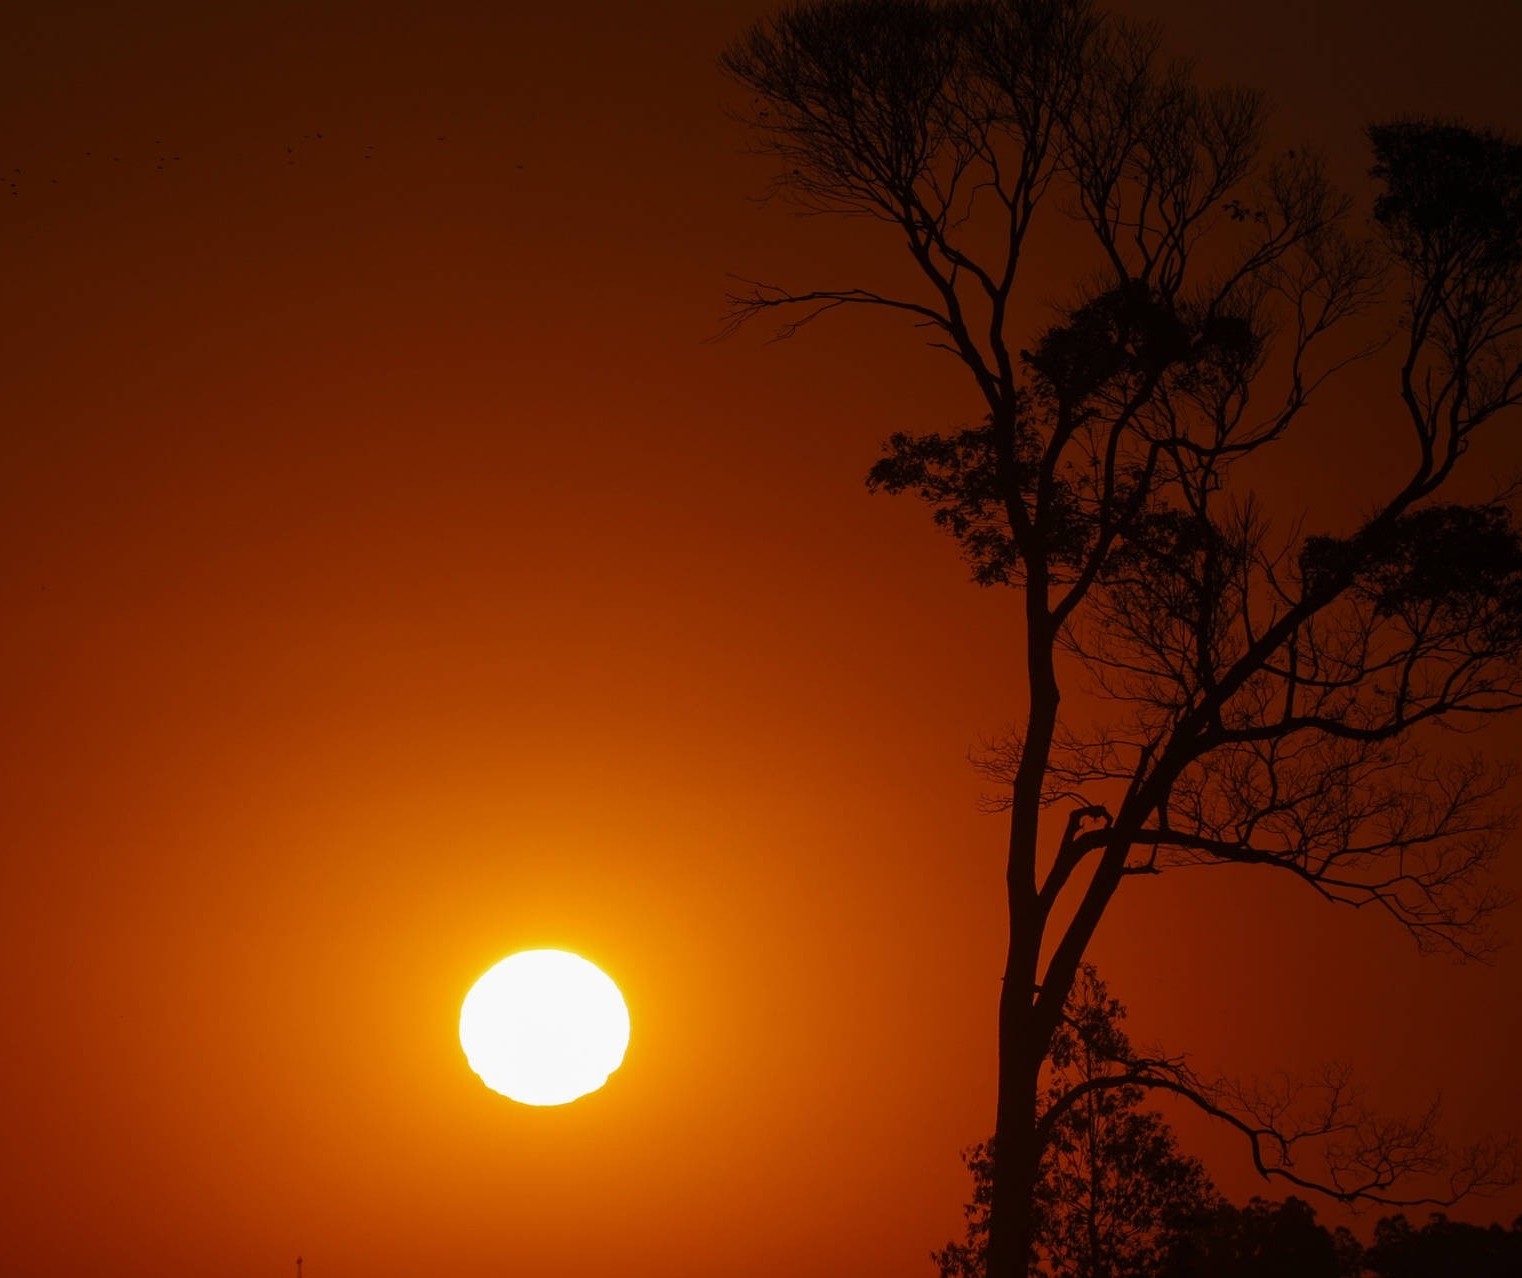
<point>1284,1240</point>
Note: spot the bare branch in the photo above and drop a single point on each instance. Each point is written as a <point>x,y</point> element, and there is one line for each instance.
<point>760,298</point>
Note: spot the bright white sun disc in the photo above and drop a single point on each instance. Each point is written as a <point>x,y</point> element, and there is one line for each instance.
<point>544,1027</point>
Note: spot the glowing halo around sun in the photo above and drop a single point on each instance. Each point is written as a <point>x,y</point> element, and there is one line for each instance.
<point>544,1027</point>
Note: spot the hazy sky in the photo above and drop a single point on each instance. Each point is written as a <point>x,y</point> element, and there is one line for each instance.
<point>396,577</point>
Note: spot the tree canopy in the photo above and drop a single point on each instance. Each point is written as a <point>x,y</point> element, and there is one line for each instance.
<point>1267,693</point>
<point>1115,1192</point>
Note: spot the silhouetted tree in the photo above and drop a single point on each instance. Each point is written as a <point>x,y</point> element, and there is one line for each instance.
<point>1114,1189</point>
<point>1262,1240</point>
<point>1444,1248</point>
<point>1272,695</point>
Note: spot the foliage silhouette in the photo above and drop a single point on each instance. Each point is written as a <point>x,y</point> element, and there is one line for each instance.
<point>1114,1189</point>
<point>1271,697</point>
<point>1443,1248</point>
<point>1262,1240</point>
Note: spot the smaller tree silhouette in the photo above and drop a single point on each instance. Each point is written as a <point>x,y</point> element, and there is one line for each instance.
<point>1442,1248</point>
<point>1262,1240</point>
<point>1115,1191</point>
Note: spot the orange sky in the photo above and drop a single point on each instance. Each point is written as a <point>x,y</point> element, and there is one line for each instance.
<point>396,578</point>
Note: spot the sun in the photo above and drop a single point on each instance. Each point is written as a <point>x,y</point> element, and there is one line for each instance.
<point>544,1027</point>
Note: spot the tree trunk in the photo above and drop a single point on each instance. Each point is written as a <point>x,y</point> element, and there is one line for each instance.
<point>1022,1044</point>
<point>1016,1157</point>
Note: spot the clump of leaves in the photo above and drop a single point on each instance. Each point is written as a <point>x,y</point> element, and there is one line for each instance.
<point>1459,560</point>
<point>966,478</point>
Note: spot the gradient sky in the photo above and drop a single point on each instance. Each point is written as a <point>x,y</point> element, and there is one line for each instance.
<point>395,577</point>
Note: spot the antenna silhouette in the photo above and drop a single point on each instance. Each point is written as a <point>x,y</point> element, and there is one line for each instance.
<point>298,1267</point>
